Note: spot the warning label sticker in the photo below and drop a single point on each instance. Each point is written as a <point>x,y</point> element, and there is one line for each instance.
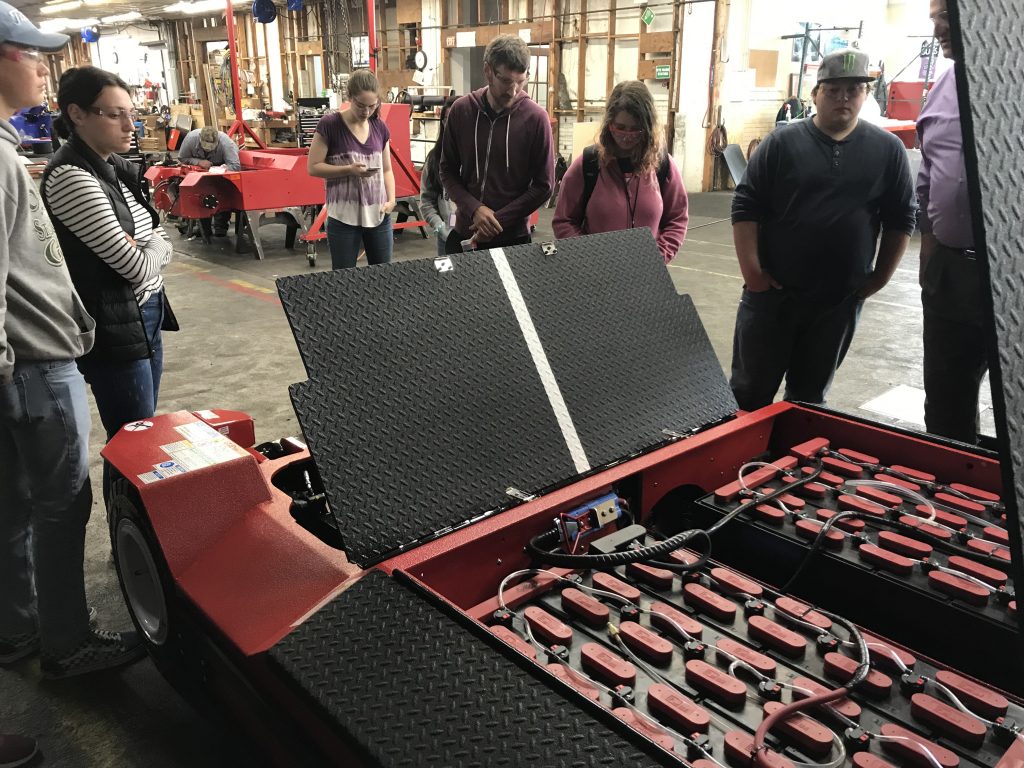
<point>162,471</point>
<point>202,446</point>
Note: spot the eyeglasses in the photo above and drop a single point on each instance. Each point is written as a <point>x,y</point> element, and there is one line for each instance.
<point>519,82</point>
<point>365,107</point>
<point>840,91</point>
<point>17,53</point>
<point>944,15</point>
<point>115,114</point>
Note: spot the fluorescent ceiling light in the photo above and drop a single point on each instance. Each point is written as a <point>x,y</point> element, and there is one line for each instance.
<point>98,2</point>
<point>73,5</point>
<point>121,17</point>
<point>62,25</point>
<point>200,6</point>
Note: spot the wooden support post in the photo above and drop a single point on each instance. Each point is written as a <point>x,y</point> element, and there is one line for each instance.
<point>581,79</point>
<point>610,75</point>
<point>721,25</point>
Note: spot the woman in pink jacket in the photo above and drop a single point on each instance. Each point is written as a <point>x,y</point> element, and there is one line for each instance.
<point>637,184</point>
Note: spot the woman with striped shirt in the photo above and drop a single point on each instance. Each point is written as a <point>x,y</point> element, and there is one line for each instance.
<point>113,244</point>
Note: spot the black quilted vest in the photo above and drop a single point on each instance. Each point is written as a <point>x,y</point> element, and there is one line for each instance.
<point>108,297</point>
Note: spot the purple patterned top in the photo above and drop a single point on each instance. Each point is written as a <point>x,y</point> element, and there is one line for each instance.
<point>350,199</point>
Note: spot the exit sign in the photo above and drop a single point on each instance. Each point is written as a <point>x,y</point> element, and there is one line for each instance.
<point>647,17</point>
<point>661,72</point>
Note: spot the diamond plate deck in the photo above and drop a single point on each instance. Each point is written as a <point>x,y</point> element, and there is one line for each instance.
<point>406,686</point>
<point>991,35</point>
<point>424,403</point>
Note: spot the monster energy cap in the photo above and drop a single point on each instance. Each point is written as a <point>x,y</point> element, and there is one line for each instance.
<point>846,64</point>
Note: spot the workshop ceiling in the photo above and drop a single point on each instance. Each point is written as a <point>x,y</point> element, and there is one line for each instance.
<point>92,11</point>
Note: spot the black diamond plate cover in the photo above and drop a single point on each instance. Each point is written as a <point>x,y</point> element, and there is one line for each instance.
<point>631,361</point>
<point>406,686</point>
<point>990,35</point>
<point>424,404</point>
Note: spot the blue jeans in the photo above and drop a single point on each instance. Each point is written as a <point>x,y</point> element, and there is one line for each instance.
<point>45,500</point>
<point>127,391</point>
<point>344,241</point>
<point>781,334</point>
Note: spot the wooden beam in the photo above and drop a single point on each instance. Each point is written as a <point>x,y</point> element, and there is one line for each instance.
<point>581,74</point>
<point>721,25</point>
<point>211,34</point>
<point>609,80</point>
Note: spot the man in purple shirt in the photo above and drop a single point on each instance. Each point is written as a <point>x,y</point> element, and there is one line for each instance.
<point>951,286</point>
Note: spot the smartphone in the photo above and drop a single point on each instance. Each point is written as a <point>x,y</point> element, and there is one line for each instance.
<point>370,168</point>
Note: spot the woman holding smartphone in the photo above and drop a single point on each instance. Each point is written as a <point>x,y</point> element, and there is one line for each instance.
<point>351,150</point>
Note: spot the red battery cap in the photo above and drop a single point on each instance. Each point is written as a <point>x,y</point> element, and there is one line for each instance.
<point>894,542</point>
<point>831,480</point>
<point>808,529</point>
<point>910,747</point>
<point>989,575</point>
<point>808,450</point>
<point>705,764</point>
<point>616,586</point>
<point>812,490</point>
<point>846,707</point>
<point>730,648</point>
<point>996,534</point>
<point>684,556</point>
<point>678,710</point>
<point>722,687</point>
<point>943,517</point>
<point>844,468</point>
<point>575,681</point>
<point>842,668</point>
<point>976,697</point>
<point>857,456</point>
<point>752,479</point>
<point>514,640</point>
<point>887,561</point>
<point>868,760</point>
<point>802,611</point>
<point>857,504</point>
<point>769,514</point>
<point>658,578</point>
<point>704,600</point>
<point>884,498</point>
<point>546,627</point>
<point>1012,607</point>
<point>882,653</point>
<point>926,528</point>
<point>645,643</point>
<point>730,581</point>
<point>602,663</point>
<point>953,723</point>
<point>791,501</point>
<point>585,607</point>
<point>964,505</point>
<point>664,616</point>
<point>776,636</point>
<point>897,481</point>
<point>961,589</point>
<point>848,524</point>
<point>989,548</point>
<point>916,474</point>
<point>974,493</point>
<point>646,727</point>
<point>739,751</point>
<point>805,732</point>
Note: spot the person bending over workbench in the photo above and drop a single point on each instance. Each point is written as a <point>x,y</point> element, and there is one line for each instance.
<point>206,147</point>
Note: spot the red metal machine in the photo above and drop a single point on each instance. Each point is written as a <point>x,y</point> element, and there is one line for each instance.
<point>397,594</point>
<point>274,184</point>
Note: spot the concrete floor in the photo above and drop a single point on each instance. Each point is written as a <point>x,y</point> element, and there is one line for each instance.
<point>235,351</point>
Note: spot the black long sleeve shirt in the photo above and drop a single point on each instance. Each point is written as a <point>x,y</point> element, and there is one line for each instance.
<point>820,204</point>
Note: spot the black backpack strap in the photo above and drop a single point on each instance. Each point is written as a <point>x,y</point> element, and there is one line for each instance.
<point>591,170</point>
<point>664,169</point>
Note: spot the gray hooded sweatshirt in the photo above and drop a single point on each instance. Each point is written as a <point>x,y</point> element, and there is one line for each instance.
<point>41,316</point>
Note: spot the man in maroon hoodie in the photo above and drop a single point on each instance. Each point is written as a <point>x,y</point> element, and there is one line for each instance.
<point>496,180</point>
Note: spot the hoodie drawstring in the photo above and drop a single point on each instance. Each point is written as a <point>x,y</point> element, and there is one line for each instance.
<point>508,130</point>
<point>476,145</point>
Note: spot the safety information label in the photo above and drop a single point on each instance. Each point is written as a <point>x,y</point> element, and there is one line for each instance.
<point>162,471</point>
<point>203,446</point>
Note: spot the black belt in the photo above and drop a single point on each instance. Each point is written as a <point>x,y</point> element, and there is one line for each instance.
<point>968,253</point>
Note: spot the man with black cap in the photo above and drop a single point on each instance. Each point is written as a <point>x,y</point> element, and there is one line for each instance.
<point>206,147</point>
<point>806,219</point>
<point>45,493</point>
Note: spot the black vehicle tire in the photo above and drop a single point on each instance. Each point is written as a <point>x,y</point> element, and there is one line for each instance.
<point>147,586</point>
